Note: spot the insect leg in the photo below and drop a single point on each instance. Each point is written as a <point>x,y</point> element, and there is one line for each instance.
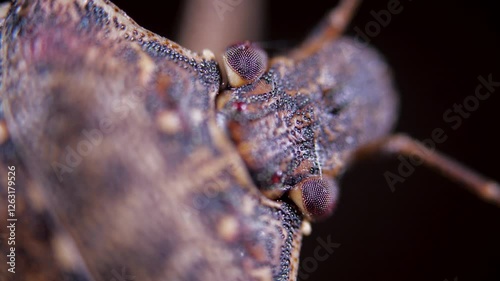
<point>333,26</point>
<point>400,144</point>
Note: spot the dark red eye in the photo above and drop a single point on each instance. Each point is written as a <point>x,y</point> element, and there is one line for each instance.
<point>245,63</point>
<point>315,196</point>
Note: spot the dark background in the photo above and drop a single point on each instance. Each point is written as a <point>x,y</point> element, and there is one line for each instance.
<point>429,228</point>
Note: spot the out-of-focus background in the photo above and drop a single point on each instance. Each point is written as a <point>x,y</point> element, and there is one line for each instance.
<point>428,228</point>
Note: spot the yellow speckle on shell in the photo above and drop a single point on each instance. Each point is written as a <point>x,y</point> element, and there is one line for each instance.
<point>4,133</point>
<point>169,122</point>
<point>228,228</point>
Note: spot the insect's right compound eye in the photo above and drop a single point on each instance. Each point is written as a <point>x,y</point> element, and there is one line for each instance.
<point>315,197</point>
<point>244,63</point>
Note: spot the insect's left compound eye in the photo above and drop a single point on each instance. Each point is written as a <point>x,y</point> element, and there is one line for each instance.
<point>315,197</point>
<point>244,63</point>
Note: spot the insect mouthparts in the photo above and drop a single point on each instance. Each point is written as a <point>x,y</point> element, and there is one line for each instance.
<point>244,63</point>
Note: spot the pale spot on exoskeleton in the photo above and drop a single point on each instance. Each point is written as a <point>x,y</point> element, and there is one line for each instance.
<point>169,122</point>
<point>4,132</point>
<point>306,228</point>
<point>207,54</point>
<point>196,116</point>
<point>247,207</point>
<point>147,68</point>
<point>227,228</point>
<point>66,253</point>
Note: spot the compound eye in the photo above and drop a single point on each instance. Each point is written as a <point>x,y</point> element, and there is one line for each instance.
<point>244,63</point>
<point>315,197</point>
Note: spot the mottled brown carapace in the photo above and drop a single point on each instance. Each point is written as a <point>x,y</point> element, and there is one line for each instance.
<point>124,168</point>
<point>136,160</point>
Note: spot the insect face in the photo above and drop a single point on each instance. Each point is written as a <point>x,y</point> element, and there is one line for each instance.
<point>292,125</point>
